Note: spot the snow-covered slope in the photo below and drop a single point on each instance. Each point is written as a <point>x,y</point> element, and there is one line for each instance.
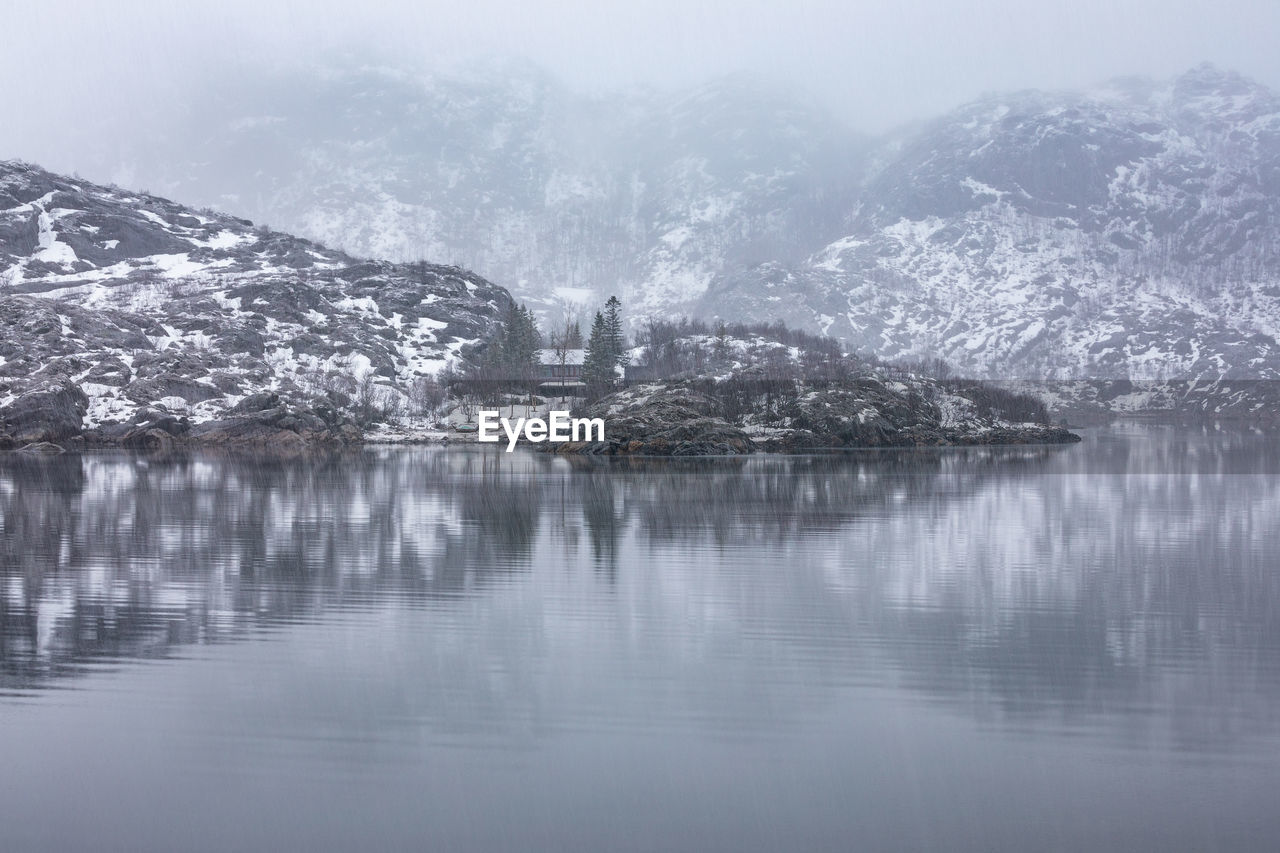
<point>1133,231</point>
<point>145,303</point>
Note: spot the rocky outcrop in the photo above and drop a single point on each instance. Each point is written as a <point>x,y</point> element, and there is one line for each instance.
<point>653,420</point>
<point>276,427</point>
<point>864,415</point>
<point>52,420</point>
<point>260,422</point>
<point>870,413</point>
<point>681,420</point>
<point>44,415</point>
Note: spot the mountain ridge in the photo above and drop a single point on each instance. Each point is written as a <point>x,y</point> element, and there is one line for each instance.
<point>1127,231</point>
<point>152,309</point>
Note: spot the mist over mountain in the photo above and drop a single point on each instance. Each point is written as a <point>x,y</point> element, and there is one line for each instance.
<point>562,198</point>
<point>1130,230</point>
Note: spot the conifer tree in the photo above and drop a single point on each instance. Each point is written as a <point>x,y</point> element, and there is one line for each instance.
<point>606,348</point>
<point>616,341</point>
<point>598,362</point>
<point>516,350</point>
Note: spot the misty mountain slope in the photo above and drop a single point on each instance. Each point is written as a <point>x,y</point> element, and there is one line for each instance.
<point>1130,231</point>
<point>1134,231</point>
<point>143,302</point>
<point>564,199</point>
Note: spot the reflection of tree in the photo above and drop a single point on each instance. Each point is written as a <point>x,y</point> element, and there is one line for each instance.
<point>772,499</point>
<point>595,488</point>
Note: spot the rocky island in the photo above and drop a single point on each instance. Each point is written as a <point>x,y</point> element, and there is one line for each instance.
<point>681,420</point>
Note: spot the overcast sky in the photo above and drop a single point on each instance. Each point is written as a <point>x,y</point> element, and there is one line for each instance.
<point>877,63</point>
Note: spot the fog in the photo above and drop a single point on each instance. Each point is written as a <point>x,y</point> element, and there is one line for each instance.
<point>875,63</point>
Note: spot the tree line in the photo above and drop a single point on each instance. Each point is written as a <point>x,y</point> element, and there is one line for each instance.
<point>513,360</point>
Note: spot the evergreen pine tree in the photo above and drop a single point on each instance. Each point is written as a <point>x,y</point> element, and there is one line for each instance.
<point>516,350</point>
<point>598,362</point>
<point>616,342</point>
<point>525,344</point>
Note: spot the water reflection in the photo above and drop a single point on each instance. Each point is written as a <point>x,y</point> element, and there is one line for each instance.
<point>1126,587</point>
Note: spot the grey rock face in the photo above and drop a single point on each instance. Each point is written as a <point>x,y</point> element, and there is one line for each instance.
<point>915,413</point>
<point>654,420</point>
<point>46,415</point>
<point>678,420</point>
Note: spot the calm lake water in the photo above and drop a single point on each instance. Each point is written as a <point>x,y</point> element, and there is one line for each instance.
<point>1072,648</point>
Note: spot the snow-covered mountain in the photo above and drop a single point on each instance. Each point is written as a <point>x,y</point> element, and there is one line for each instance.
<point>1127,231</point>
<point>1133,231</point>
<point>144,303</point>
<point>562,198</point>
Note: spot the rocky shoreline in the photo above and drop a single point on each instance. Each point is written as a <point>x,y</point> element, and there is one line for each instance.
<point>660,420</point>
<point>52,421</point>
<point>644,420</point>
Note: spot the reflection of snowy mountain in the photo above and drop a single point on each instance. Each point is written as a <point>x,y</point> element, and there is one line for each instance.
<point>1021,581</point>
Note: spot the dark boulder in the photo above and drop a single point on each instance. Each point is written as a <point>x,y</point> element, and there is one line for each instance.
<point>51,414</point>
<point>256,403</point>
<point>161,420</point>
<point>110,371</point>
<point>158,387</point>
<point>276,429</point>
<point>148,438</point>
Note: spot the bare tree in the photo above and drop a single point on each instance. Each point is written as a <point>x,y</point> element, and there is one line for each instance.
<point>563,341</point>
<point>426,395</point>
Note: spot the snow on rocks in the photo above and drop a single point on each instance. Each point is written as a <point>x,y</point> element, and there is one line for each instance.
<point>188,313</point>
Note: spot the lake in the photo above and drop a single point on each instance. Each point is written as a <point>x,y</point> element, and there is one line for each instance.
<point>1033,648</point>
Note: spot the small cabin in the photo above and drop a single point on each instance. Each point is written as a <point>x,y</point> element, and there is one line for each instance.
<point>561,373</point>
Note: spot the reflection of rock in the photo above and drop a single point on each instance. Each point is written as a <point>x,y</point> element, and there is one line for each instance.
<point>42,447</point>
